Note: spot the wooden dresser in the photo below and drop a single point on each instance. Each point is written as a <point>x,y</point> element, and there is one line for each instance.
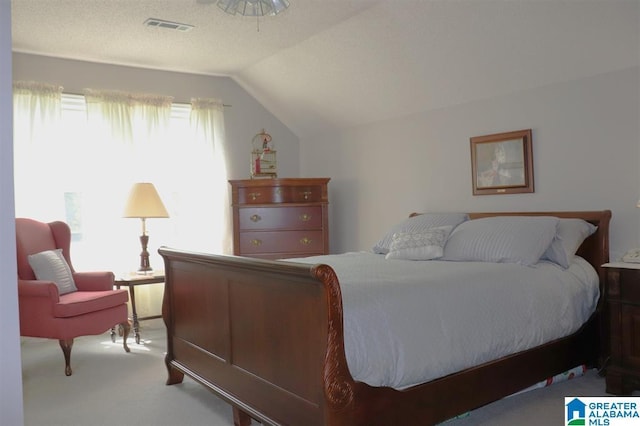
<point>280,218</point>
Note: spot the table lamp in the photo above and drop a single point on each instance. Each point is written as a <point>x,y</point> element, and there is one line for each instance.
<point>144,202</point>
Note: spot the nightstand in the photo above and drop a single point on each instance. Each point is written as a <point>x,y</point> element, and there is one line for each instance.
<point>132,280</point>
<point>623,306</point>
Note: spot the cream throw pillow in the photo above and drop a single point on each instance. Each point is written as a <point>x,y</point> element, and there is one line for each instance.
<point>50,265</point>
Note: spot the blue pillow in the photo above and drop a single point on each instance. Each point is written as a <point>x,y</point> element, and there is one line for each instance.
<point>506,239</point>
<point>570,234</point>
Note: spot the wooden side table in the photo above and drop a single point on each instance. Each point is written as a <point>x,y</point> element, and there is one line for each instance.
<point>623,305</point>
<point>131,281</point>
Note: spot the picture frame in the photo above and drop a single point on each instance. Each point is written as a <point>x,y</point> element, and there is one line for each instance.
<point>502,163</point>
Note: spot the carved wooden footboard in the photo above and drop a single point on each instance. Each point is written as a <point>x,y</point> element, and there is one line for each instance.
<point>267,337</point>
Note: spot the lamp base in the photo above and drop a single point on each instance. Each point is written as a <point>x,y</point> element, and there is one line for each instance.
<point>145,267</point>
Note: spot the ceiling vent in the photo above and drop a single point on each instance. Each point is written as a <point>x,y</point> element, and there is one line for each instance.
<point>160,23</point>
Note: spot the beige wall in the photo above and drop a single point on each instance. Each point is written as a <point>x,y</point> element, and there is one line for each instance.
<point>586,138</point>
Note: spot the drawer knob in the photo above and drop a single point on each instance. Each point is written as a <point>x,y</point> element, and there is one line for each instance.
<point>305,241</point>
<point>255,218</point>
<point>306,194</point>
<point>256,242</point>
<point>305,217</point>
<point>254,195</point>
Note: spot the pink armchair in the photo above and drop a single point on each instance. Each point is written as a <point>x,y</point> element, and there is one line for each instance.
<point>93,309</point>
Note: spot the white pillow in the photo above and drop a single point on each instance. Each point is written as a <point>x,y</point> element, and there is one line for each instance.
<point>50,265</point>
<point>419,223</point>
<point>507,239</point>
<point>423,245</point>
<point>569,235</point>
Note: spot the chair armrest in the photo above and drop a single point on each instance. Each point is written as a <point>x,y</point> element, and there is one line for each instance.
<point>94,281</point>
<point>38,288</point>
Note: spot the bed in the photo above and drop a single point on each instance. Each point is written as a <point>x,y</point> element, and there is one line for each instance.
<point>268,337</point>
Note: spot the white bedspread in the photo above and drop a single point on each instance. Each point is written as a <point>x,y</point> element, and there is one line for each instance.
<point>408,322</point>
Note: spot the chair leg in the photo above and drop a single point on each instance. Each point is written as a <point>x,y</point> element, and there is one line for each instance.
<point>126,328</point>
<point>66,346</point>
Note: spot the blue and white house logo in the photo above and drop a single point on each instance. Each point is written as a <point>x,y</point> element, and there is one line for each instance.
<point>575,412</point>
<point>602,411</point>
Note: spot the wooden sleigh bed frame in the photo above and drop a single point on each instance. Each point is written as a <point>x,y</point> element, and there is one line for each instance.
<point>267,337</point>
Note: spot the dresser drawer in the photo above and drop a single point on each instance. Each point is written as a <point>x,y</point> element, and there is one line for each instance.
<point>254,242</point>
<point>280,194</point>
<point>302,217</point>
<point>630,325</point>
<point>624,285</point>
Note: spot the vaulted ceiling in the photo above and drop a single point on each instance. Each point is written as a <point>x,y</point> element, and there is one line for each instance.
<point>323,65</point>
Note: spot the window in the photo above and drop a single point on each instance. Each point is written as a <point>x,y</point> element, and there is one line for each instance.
<point>72,168</point>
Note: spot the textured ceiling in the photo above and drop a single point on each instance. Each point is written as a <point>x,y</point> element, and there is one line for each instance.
<point>333,64</point>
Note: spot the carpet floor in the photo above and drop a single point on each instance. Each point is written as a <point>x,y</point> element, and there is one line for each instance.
<point>111,387</point>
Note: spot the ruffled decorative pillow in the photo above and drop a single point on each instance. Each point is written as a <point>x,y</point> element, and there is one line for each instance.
<point>419,223</point>
<point>422,245</point>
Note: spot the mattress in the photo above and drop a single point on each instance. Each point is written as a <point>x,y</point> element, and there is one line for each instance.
<point>409,322</point>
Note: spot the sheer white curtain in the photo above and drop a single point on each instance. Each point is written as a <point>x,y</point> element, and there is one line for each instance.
<point>39,105</point>
<point>79,165</point>
<point>36,125</point>
<point>207,124</point>
<point>129,118</point>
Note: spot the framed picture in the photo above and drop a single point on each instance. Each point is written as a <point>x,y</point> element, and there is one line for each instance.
<point>502,163</point>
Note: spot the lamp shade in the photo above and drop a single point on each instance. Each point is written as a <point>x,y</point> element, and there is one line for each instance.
<point>144,202</point>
